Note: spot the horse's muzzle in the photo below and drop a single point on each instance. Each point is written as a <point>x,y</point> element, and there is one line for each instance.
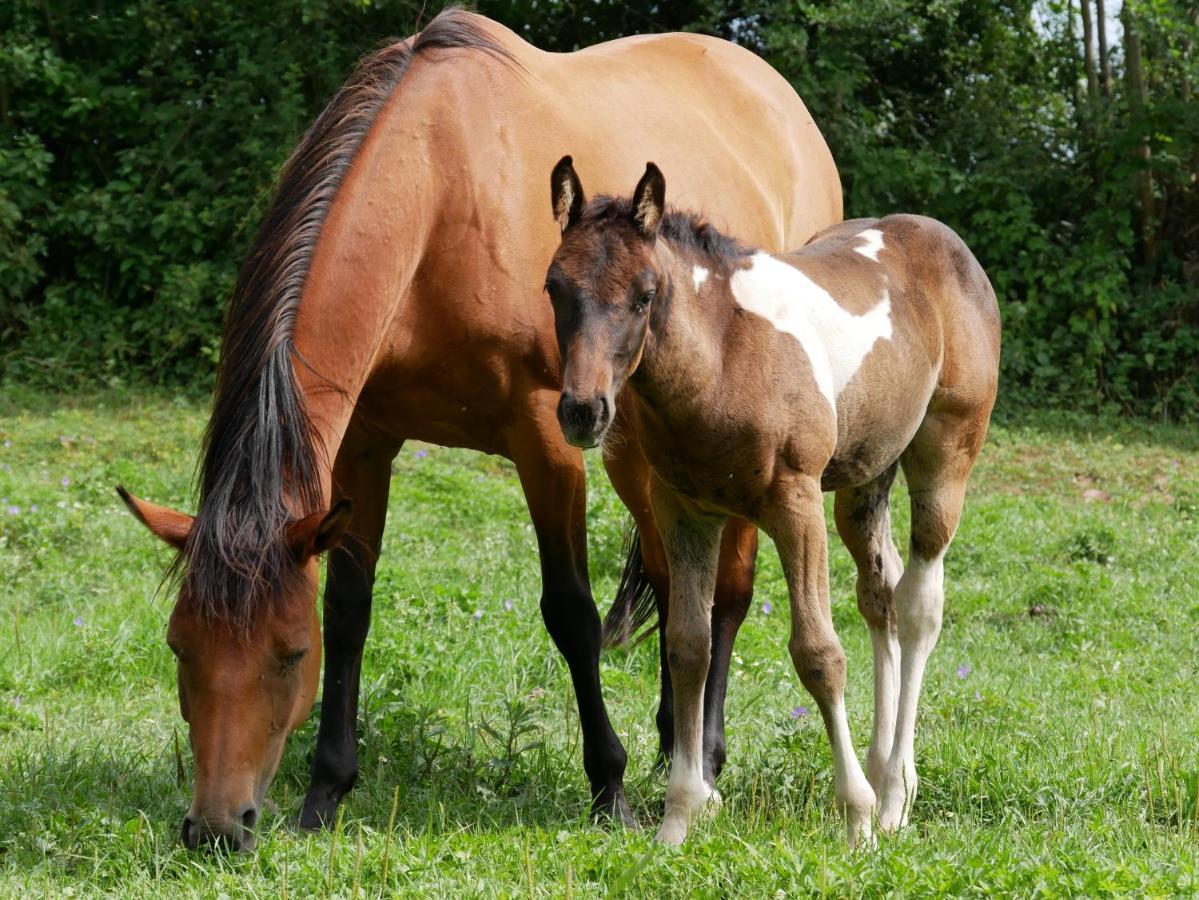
<point>584,421</point>
<point>236,834</point>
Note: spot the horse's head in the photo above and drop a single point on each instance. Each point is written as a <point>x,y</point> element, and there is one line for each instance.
<point>243,687</point>
<point>603,281</point>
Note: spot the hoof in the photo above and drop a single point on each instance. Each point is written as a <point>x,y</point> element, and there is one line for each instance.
<point>320,808</point>
<point>673,831</point>
<point>614,807</point>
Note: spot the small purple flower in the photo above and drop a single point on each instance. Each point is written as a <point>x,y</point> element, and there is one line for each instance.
<point>964,671</point>
<point>767,607</point>
<point>5,467</point>
<point>79,621</point>
<point>13,510</point>
<point>65,481</point>
<point>478,615</point>
<point>421,454</point>
<point>509,606</point>
<point>16,701</point>
<point>33,507</point>
<point>799,712</point>
<point>978,695</point>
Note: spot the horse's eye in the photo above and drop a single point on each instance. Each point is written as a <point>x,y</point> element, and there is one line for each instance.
<point>644,300</point>
<point>290,662</point>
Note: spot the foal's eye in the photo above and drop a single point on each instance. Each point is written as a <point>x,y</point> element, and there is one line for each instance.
<point>290,662</point>
<point>644,300</point>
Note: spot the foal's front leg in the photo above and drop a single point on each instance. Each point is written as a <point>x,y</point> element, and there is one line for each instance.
<point>692,550</point>
<point>796,522</point>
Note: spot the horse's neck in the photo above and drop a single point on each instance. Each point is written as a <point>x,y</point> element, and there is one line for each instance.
<point>362,271</point>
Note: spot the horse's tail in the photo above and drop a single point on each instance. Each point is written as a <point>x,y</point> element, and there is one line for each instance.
<point>636,604</point>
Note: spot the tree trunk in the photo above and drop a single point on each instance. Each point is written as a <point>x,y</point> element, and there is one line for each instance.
<point>1137,98</point>
<point>1105,68</point>
<point>1073,56</point>
<point>1088,50</point>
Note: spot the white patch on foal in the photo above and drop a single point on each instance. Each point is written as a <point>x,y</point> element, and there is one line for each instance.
<point>834,339</point>
<point>699,275</point>
<point>874,243</point>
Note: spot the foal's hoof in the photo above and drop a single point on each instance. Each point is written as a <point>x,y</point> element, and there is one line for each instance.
<point>614,807</point>
<point>672,831</point>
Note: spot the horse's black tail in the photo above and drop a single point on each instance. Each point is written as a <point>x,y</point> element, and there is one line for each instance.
<point>636,604</point>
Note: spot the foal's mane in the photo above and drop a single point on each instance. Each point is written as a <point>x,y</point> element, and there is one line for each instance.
<point>689,231</point>
<point>261,456</point>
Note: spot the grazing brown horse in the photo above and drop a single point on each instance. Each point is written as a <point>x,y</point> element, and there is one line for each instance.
<point>394,293</point>
<point>756,382</point>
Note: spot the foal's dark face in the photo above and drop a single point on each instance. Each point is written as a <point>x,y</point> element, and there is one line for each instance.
<point>603,282</point>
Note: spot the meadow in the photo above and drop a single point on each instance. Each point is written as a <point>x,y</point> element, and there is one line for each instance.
<point>1056,745</point>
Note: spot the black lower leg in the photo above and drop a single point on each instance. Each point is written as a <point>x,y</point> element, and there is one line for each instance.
<point>574,625</point>
<point>347,619</point>
<point>665,716</point>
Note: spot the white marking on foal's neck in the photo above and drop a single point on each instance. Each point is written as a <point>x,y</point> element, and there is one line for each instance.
<point>874,243</point>
<point>699,275</point>
<point>834,339</point>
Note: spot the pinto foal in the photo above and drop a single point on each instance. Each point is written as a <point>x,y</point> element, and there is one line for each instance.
<point>757,382</point>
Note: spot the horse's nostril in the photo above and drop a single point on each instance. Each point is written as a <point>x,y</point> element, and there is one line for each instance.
<point>249,818</point>
<point>188,834</point>
<point>604,410</point>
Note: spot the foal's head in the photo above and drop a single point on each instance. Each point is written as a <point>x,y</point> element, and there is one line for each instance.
<point>603,282</point>
<point>243,685</point>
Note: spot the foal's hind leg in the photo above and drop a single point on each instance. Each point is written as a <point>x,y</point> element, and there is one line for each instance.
<point>937,464</point>
<point>863,516</point>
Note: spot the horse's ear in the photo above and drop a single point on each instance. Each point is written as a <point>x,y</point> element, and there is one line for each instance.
<point>168,525</point>
<point>566,192</point>
<point>321,531</point>
<point>649,201</point>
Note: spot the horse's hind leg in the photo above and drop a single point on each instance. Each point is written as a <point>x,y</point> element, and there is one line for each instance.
<point>551,474</point>
<point>937,464</point>
<point>629,474</point>
<point>863,516</point>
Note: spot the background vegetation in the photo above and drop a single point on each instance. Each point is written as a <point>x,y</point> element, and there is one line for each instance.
<point>139,140</point>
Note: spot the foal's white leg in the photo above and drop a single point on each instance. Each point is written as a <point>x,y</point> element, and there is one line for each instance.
<point>863,517</point>
<point>692,550</point>
<point>919,600</point>
<point>797,526</point>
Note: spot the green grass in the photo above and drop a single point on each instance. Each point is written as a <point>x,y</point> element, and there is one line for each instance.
<point>1064,763</point>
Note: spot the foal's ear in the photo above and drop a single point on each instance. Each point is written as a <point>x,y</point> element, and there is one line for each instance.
<point>566,192</point>
<point>321,531</point>
<point>649,201</point>
<point>167,524</point>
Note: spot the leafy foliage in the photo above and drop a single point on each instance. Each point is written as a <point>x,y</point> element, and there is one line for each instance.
<point>139,140</point>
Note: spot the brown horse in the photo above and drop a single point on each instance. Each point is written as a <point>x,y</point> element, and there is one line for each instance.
<point>756,382</point>
<point>394,293</point>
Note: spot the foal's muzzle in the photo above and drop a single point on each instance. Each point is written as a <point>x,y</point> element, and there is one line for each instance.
<point>584,421</point>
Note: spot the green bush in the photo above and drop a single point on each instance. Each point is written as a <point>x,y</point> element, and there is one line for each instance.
<point>139,141</point>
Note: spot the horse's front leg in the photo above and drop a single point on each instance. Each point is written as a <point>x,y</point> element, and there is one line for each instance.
<point>551,474</point>
<point>692,550</point>
<point>362,474</point>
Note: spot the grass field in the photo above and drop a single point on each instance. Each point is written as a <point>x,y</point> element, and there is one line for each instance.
<point>1057,741</point>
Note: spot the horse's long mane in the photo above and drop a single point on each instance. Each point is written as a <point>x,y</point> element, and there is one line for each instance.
<point>261,456</point>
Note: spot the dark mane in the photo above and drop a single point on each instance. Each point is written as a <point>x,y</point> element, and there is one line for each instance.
<point>688,230</point>
<point>261,457</point>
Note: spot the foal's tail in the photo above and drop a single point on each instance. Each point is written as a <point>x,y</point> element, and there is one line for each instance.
<point>636,604</point>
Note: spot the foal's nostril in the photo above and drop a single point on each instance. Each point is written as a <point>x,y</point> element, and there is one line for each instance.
<point>604,411</point>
